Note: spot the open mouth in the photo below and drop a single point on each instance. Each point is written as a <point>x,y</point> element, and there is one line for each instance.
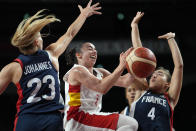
<point>93,57</point>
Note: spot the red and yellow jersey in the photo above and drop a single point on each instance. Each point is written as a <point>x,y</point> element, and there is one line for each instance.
<point>79,96</point>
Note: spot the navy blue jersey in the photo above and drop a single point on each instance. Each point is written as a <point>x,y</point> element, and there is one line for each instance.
<point>153,112</point>
<point>38,88</point>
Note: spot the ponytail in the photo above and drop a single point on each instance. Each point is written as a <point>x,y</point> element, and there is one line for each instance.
<point>70,55</point>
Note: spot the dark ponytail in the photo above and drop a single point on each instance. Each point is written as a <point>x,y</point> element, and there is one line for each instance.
<point>70,55</point>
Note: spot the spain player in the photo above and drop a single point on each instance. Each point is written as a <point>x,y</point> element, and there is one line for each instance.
<point>84,88</point>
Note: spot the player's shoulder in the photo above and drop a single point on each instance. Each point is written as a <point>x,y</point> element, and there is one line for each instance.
<point>12,68</point>
<point>13,65</point>
<point>122,112</point>
<point>78,70</point>
<point>103,71</point>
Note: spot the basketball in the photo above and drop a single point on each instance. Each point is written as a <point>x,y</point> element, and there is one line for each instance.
<point>141,62</point>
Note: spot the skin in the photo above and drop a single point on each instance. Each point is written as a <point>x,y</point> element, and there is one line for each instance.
<point>133,91</point>
<point>13,72</point>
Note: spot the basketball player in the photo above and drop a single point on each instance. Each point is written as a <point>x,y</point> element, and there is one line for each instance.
<point>132,93</point>
<point>84,87</point>
<point>154,109</point>
<point>35,72</point>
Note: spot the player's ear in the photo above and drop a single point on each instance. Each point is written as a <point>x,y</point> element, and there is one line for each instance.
<point>167,85</point>
<point>35,42</point>
<point>78,55</point>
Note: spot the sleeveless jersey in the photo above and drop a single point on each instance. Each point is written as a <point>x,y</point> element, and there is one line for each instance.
<point>127,111</point>
<point>38,88</point>
<point>153,112</point>
<point>81,97</point>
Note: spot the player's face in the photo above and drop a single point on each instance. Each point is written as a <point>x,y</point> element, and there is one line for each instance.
<point>130,93</point>
<point>158,81</point>
<point>39,41</point>
<point>88,54</point>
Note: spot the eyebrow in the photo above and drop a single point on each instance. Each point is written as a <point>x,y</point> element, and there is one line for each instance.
<point>90,47</point>
<point>160,72</point>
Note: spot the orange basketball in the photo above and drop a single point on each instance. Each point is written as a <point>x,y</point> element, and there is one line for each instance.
<point>141,62</point>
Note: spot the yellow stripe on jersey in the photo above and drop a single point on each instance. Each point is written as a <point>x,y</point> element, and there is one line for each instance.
<point>74,99</point>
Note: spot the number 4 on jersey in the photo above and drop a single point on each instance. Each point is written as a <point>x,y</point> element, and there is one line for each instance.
<point>151,113</point>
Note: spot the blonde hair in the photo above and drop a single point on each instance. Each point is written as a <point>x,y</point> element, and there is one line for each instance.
<point>27,30</point>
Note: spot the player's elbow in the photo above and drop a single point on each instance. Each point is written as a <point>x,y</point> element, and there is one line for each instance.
<point>104,92</point>
<point>71,32</point>
<point>180,66</point>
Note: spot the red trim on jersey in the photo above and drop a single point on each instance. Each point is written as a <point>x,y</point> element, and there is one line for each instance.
<point>18,104</point>
<point>172,112</point>
<point>74,89</point>
<point>20,62</point>
<point>99,121</point>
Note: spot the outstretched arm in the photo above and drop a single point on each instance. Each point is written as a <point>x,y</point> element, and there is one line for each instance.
<point>177,75</point>
<point>135,35</point>
<point>82,76</point>
<point>123,81</point>
<point>57,48</point>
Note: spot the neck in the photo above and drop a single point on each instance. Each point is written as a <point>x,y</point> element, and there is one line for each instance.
<point>90,68</point>
<point>31,52</point>
<point>156,91</point>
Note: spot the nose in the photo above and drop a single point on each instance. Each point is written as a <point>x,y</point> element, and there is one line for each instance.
<point>95,51</point>
<point>154,75</point>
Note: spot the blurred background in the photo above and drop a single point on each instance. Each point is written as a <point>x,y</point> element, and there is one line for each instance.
<point>110,33</point>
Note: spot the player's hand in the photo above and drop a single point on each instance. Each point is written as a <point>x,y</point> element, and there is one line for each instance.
<point>90,10</point>
<point>123,57</point>
<point>167,36</point>
<point>137,18</point>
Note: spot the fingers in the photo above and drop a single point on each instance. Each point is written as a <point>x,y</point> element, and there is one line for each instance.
<point>95,5</point>
<point>166,36</point>
<point>80,7</point>
<point>97,8</point>
<point>128,52</point>
<point>89,3</point>
<point>97,13</point>
<point>162,36</point>
<point>121,54</point>
<point>140,14</point>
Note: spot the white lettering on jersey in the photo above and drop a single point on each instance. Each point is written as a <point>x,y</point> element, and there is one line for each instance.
<point>155,100</point>
<point>37,67</point>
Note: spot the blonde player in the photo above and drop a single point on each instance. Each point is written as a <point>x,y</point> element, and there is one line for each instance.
<point>35,72</point>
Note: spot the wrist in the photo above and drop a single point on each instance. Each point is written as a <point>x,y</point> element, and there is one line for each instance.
<point>170,38</point>
<point>120,68</point>
<point>134,25</point>
<point>83,14</point>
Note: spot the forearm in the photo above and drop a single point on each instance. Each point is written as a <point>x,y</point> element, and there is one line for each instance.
<point>76,25</point>
<point>135,35</point>
<point>177,76</point>
<point>107,83</point>
<point>125,80</point>
<point>59,47</point>
<point>176,55</point>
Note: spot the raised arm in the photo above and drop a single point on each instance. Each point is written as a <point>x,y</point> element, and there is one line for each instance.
<point>57,48</point>
<point>135,35</point>
<point>177,75</point>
